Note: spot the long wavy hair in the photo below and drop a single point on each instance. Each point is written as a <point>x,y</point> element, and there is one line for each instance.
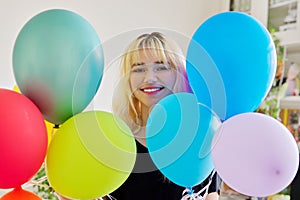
<point>125,104</point>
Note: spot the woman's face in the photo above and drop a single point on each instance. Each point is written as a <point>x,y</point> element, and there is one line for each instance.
<point>151,79</point>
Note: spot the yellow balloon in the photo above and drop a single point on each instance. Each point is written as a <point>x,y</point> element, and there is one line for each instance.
<point>90,155</point>
<point>16,89</point>
<point>50,130</point>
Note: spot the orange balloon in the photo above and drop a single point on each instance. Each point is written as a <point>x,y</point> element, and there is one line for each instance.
<point>19,193</point>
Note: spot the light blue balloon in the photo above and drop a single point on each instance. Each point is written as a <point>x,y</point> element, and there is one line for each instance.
<point>236,49</point>
<point>179,136</point>
<point>58,63</point>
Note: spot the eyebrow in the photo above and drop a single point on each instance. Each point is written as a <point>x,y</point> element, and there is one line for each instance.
<point>137,64</point>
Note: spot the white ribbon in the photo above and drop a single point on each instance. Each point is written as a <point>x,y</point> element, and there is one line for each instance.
<point>111,197</point>
<point>188,193</point>
<point>108,196</point>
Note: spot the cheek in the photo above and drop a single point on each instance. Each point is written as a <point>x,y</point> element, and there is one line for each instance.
<point>134,82</point>
<point>169,80</point>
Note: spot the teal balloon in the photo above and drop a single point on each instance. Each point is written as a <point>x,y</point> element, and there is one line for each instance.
<point>231,63</point>
<point>179,137</point>
<point>58,63</point>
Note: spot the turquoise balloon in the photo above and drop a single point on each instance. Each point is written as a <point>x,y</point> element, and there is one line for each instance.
<point>179,136</point>
<point>58,63</point>
<point>231,63</point>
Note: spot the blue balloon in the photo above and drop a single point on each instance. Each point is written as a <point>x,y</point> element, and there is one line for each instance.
<point>179,137</point>
<point>231,63</point>
<point>58,63</point>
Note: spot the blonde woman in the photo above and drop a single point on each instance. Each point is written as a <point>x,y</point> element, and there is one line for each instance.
<point>152,68</point>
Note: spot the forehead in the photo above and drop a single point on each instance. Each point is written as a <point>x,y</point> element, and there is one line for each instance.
<point>148,55</point>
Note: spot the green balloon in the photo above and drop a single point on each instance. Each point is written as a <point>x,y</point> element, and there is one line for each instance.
<point>58,63</point>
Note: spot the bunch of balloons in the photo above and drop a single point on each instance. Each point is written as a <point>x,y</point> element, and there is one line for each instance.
<point>231,64</point>
<point>240,64</point>
<point>58,65</point>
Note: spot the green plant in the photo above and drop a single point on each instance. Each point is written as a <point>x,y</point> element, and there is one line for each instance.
<point>270,105</point>
<point>41,185</point>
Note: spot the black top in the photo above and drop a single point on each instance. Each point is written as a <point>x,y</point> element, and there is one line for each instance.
<point>295,185</point>
<point>148,183</point>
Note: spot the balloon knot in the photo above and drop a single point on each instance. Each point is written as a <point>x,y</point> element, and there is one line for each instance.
<point>56,126</point>
<point>190,191</point>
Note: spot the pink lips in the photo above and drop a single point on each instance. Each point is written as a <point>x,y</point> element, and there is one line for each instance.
<point>152,90</point>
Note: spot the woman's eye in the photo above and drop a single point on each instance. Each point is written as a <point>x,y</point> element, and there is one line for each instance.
<point>162,68</point>
<point>138,70</point>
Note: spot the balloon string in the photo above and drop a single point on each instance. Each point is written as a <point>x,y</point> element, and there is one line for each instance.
<point>190,195</point>
<point>40,184</point>
<point>111,197</point>
<point>43,178</point>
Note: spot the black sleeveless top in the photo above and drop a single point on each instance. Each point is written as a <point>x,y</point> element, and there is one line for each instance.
<point>146,182</point>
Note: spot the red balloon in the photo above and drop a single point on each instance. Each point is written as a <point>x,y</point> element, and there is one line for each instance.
<point>19,193</point>
<point>23,139</point>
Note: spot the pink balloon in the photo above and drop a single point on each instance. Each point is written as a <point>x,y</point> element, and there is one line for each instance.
<point>255,154</point>
<point>23,139</point>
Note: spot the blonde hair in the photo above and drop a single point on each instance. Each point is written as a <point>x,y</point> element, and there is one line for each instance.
<point>125,105</point>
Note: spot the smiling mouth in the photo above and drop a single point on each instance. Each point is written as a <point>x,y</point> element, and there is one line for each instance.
<point>152,89</point>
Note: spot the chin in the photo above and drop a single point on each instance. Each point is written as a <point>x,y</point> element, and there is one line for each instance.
<point>151,103</point>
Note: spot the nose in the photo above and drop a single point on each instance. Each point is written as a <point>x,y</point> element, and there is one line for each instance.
<point>150,77</point>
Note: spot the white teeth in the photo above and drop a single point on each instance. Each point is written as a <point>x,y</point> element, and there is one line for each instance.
<point>151,89</point>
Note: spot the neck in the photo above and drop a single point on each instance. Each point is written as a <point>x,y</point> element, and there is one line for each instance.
<point>140,135</point>
<point>145,111</point>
